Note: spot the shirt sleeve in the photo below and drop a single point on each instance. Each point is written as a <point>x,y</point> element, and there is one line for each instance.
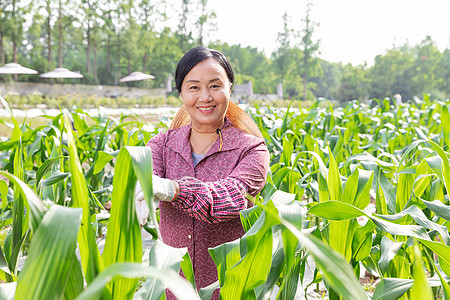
<point>212,202</point>
<point>157,145</point>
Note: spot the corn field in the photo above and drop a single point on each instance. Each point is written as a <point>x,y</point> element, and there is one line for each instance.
<point>329,165</point>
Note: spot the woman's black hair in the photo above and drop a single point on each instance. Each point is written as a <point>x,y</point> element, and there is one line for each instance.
<point>196,56</point>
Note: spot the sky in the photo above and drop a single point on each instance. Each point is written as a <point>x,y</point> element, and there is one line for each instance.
<point>349,31</point>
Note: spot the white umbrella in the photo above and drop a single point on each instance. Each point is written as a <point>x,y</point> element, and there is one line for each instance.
<point>15,68</point>
<point>61,73</point>
<point>136,76</point>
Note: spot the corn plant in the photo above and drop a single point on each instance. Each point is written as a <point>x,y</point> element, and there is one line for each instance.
<point>329,167</point>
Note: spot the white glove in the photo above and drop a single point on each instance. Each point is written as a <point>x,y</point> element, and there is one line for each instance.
<point>142,210</point>
<point>164,189</point>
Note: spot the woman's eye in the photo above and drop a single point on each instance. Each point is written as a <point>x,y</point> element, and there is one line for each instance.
<point>193,87</point>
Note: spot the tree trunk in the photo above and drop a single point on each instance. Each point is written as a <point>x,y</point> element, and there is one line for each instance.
<point>88,55</point>
<point>108,55</point>
<point>2,50</point>
<point>16,77</point>
<point>60,42</point>
<point>305,82</point>
<point>144,62</point>
<point>129,63</point>
<point>49,42</point>
<point>95,62</point>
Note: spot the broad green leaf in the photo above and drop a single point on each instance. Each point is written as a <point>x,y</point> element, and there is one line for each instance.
<point>336,271</point>
<point>54,178</point>
<point>123,240</point>
<point>420,289</point>
<point>207,292</point>
<point>445,164</point>
<point>176,284</point>
<point>91,260</point>
<point>362,241</point>
<point>335,210</point>
<point>33,204</point>
<point>51,255</point>
<point>388,251</point>
<point>249,217</point>
<point>252,270</point>
<point>102,159</point>
<point>162,257</point>
<point>45,168</point>
<point>334,179</point>
<point>442,251</point>
<point>392,288</point>
<point>225,256</point>
<point>365,179</point>
<point>438,208</point>
<point>445,123</point>
<point>4,194</point>
<point>404,190</point>
<point>419,217</point>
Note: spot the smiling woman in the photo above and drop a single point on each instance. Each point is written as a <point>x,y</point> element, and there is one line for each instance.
<point>204,169</point>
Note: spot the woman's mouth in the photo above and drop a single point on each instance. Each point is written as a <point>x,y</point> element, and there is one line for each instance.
<point>206,108</point>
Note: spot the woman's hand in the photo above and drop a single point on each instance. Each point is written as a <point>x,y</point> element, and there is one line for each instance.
<point>164,189</point>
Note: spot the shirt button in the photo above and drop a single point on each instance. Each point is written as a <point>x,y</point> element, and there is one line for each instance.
<point>189,236</point>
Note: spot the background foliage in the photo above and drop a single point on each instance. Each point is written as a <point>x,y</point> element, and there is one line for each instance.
<point>105,40</point>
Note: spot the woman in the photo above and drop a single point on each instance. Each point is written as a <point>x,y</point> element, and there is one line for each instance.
<point>204,169</point>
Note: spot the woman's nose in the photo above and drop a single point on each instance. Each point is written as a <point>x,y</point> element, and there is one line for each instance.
<point>206,95</point>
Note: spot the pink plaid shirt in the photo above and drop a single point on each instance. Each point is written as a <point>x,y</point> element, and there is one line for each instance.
<point>206,213</point>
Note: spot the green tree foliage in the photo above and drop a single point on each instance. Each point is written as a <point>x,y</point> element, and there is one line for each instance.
<point>107,39</point>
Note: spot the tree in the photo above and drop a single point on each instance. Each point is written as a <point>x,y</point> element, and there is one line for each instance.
<point>444,73</point>
<point>205,22</point>
<point>310,64</point>
<point>353,83</point>
<point>184,33</point>
<point>282,58</point>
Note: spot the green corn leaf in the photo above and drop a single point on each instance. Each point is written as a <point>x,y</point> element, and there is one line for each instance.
<point>388,251</point>
<point>419,217</point>
<point>225,256</point>
<point>445,164</point>
<point>392,288</point>
<point>162,257</point>
<point>51,255</point>
<point>438,208</point>
<point>445,123</point>
<point>252,270</point>
<point>336,271</point>
<point>176,284</point>
<point>334,179</point>
<point>362,241</point>
<point>91,260</point>
<point>207,292</point>
<point>4,194</point>
<point>32,203</point>
<point>420,289</point>
<point>123,241</point>
<point>278,263</point>
<point>45,168</point>
<point>102,159</point>
<point>54,178</point>
<point>442,251</point>
<point>335,210</point>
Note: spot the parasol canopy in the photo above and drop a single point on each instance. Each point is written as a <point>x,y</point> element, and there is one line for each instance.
<point>61,73</point>
<point>15,68</point>
<point>136,76</point>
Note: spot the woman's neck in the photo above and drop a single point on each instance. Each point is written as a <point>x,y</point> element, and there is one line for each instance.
<point>207,129</point>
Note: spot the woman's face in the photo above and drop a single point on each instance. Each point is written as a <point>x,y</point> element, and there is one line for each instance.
<point>206,93</point>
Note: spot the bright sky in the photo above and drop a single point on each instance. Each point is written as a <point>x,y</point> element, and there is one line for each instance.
<point>352,31</point>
